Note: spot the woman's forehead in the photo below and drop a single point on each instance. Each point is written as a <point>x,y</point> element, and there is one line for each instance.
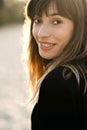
<point>51,9</point>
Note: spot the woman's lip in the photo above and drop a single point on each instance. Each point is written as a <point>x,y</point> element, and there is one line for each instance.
<point>46,45</point>
<point>45,42</point>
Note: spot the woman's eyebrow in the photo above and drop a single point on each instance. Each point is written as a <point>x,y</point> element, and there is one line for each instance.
<point>53,14</point>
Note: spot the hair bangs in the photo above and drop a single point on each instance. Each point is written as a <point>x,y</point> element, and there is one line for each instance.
<point>66,8</point>
<point>38,7</point>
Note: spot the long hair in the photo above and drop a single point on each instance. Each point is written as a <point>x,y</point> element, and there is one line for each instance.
<point>74,54</point>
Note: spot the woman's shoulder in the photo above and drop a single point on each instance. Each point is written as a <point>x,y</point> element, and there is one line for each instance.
<point>66,73</point>
<point>55,86</point>
<point>64,78</point>
<point>60,78</point>
<point>62,73</point>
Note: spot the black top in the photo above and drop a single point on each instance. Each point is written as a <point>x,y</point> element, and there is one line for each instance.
<point>61,104</point>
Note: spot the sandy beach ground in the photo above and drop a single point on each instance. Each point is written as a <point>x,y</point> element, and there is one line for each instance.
<point>14,114</point>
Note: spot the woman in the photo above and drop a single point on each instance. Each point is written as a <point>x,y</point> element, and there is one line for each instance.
<point>57,63</point>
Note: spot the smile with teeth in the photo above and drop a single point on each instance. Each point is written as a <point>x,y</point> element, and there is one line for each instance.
<point>46,45</point>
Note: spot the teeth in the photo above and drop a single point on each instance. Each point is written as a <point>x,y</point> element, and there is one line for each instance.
<point>46,45</point>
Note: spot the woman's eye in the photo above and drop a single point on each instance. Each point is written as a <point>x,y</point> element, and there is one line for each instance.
<point>55,22</point>
<point>37,21</point>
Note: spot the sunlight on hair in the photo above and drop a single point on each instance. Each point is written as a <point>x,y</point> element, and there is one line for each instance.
<point>21,0</point>
<point>26,33</point>
<point>25,42</point>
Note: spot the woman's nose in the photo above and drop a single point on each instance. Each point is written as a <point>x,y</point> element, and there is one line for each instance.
<point>44,31</point>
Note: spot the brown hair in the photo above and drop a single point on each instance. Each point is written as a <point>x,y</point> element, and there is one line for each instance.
<point>75,53</point>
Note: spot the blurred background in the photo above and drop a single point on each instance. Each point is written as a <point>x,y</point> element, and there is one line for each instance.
<point>14,114</point>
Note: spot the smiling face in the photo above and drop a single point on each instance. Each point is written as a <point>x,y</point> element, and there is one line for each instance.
<point>52,33</point>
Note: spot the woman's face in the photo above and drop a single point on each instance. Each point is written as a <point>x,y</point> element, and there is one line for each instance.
<point>52,33</point>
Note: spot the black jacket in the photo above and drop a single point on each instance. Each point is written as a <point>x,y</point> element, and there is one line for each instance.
<point>61,103</point>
